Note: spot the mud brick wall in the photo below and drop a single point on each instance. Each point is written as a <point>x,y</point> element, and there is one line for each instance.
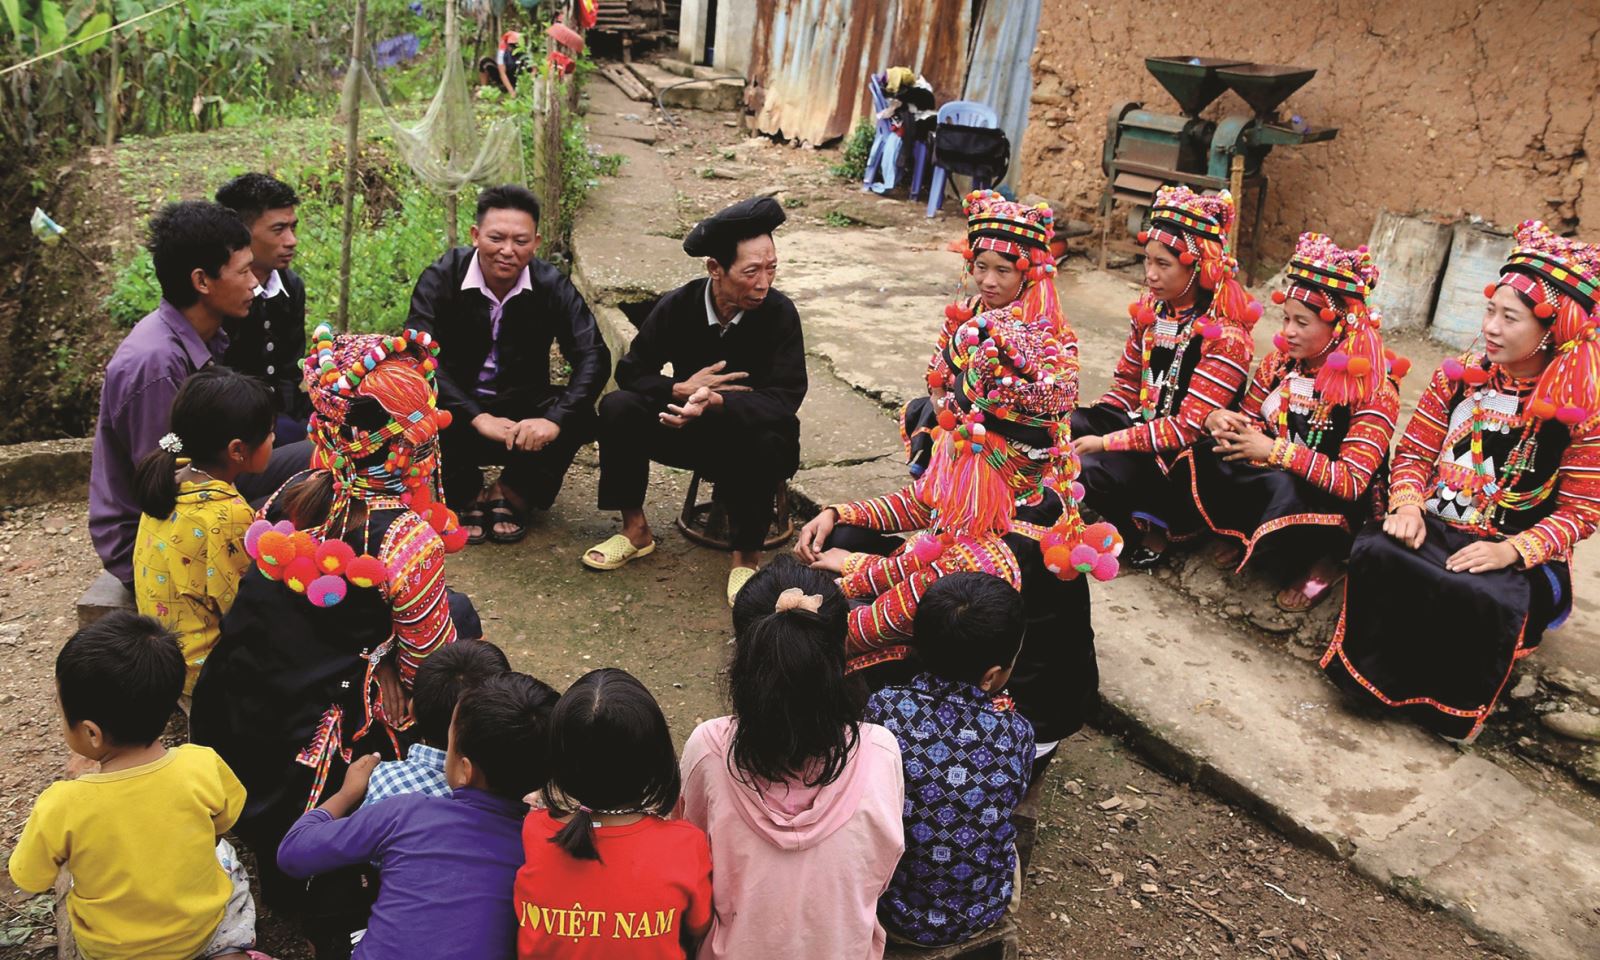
<point>1448,106</point>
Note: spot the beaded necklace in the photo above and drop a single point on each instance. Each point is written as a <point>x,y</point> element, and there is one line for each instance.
<point>1491,492</point>
<point>1178,332</point>
<point>1319,412</point>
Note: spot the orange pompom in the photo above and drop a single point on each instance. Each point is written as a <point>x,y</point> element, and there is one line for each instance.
<point>1359,366</point>
<point>305,545</point>
<point>275,549</point>
<point>1542,409</point>
<point>1058,558</point>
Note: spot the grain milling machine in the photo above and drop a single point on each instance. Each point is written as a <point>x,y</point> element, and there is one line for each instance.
<point>1145,149</point>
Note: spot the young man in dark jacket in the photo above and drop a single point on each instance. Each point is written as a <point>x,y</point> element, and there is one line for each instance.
<point>270,341</point>
<point>729,407</point>
<point>494,309</point>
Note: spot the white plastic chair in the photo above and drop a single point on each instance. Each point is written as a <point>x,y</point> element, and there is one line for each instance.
<point>968,113</point>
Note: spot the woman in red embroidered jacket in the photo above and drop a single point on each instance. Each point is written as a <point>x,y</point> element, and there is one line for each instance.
<point>1496,479</point>
<point>997,496</point>
<point>1188,354</point>
<point>346,597</point>
<point>1306,453</point>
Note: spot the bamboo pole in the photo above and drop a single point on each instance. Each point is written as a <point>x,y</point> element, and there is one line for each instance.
<point>452,53</point>
<point>352,147</point>
<point>114,88</point>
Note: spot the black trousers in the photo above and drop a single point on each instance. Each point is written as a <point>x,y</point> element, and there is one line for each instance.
<point>1056,680</point>
<point>745,462</point>
<point>1128,488</point>
<point>534,475</point>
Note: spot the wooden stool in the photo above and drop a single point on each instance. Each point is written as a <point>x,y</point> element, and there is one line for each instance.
<point>707,523</point>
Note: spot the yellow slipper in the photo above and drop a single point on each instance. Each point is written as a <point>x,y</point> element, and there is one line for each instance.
<point>617,551</point>
<point>737,578</point>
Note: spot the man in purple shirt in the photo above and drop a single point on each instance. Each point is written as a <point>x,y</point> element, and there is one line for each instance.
<point>202,261</point>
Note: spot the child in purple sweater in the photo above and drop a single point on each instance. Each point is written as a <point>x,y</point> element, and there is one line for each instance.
<point>448,865</point>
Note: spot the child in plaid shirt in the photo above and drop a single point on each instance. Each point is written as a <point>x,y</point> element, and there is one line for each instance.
<point>441,680</point>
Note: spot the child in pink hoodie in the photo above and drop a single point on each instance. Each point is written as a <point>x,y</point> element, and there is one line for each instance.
<point>801,800</point>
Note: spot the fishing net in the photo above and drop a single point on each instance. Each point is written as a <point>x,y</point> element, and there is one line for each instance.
<point>446,149</point>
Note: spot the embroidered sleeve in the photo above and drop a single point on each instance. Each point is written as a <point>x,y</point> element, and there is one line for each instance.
<point>1218,378</point>
<point>414,555</point>
<point>1124,392</point>
<point>1365,446</point>
<point>1418,450</point>
<point>1269,373</point>
<point>1577,510</point>
<point>887,620</point>
<point>898,512</point>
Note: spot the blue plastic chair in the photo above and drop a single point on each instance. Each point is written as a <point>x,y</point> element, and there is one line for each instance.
<point>968,113</point>
<point>885,152</point>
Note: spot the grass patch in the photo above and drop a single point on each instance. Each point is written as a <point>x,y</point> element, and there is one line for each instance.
<point>852,163</point>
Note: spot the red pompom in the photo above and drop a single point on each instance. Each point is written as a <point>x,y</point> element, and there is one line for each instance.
<point>1186,258</point>
<point>1475,375</point>
<point>1024,265</point>
<point>334,556</point>
<point>947,420</point>
<point>950,311</point>
<point>442,419</point>
<point>454,539</point>
<point>1144,236</point>
<point>1328,314</point>
<point>298,575</point>
<point>1147,316</point>
<point>1399,367</point>
<point>1252,311</point>
<point>367,571</point>
<point>1488,291</point>
<point>1279,297</point>
<point>1543,310</point>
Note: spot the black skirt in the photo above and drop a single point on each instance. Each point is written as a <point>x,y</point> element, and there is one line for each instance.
<point>1435,645</point>
<point>1249,503</point>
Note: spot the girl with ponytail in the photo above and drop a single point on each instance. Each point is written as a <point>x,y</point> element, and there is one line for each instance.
<point>1188,354</point>
<point>189,553</point>
<point>1297,468</point>
<point>802,801</point>
<point>1495,481</point>
<point>606,874</point>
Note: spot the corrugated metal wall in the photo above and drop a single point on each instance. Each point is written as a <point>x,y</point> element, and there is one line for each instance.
<point>811,60</point>
<point>1000,73</point>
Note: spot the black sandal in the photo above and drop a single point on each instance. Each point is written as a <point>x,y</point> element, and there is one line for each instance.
<point>473,516</point>
<point>501,511</point>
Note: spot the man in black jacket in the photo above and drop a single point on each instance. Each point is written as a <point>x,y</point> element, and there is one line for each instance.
<point>494,309</point>
<point>729,407</point>
<point>270,341</point>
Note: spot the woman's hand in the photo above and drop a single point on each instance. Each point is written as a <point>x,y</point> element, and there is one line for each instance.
<point>391,695</point>
<point>1482,557</point>
<point>1220,421</point>
<point>1405,525</point>
<point>832,560</point>
<point>1088,445</point>
<point>808,546</point>
<point>1247,443</point>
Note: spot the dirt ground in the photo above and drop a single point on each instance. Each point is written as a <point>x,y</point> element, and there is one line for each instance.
<point>1129,863</point>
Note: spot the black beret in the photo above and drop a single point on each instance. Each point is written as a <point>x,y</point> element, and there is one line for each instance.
<point>726,227</point>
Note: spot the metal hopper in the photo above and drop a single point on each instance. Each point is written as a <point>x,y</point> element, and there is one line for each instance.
<point>1193,81</point>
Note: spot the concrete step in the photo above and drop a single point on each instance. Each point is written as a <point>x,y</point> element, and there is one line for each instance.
<point>698,93</point>
<point>1404,807</point>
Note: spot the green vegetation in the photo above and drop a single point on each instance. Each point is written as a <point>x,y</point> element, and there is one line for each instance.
<point>181,68</point>
<point>852,163</point>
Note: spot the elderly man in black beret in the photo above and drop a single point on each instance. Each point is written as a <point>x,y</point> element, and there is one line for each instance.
<point>727,409</point>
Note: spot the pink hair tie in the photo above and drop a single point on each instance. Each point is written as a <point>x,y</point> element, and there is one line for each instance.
<point>796,599</point>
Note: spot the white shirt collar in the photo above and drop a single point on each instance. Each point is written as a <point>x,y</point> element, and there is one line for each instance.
<point>711,314</point>
<point>474,281</point>
<point>272,287</point>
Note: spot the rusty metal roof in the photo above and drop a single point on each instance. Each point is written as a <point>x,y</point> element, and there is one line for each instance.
<point>811,58</point>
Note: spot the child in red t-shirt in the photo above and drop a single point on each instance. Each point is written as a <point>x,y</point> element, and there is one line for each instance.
<point>606,876</point>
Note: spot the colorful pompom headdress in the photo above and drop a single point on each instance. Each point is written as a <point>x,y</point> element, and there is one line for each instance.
<point>1020,231</point>
<point>1561,277</point>
<point>375,427</point>
<point>1198,226</point>
<point>1004,437</point>
<point>1336,283</point>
